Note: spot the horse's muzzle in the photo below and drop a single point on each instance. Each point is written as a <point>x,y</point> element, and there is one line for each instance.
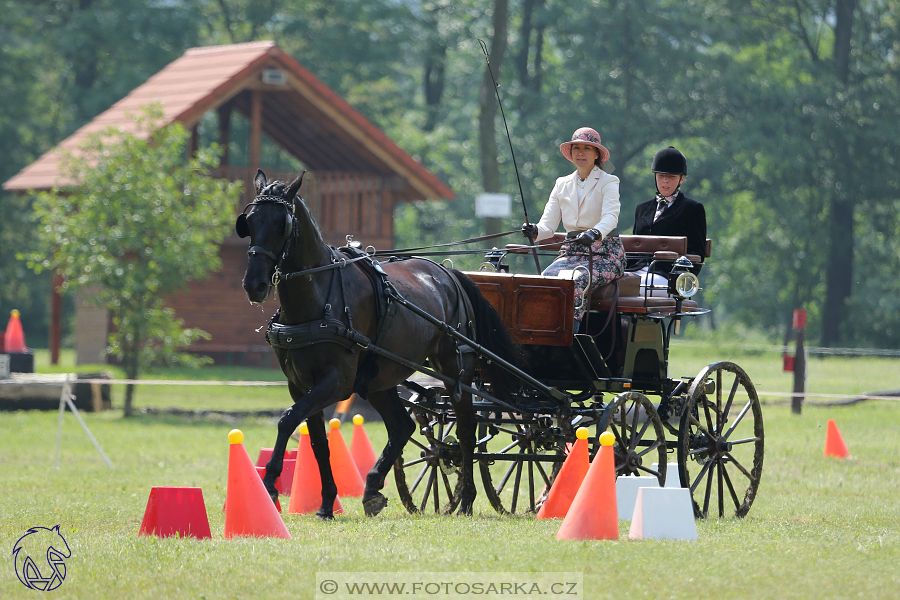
<point>257,291</point>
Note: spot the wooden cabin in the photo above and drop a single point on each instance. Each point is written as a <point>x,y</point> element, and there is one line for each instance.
<point>280,101</point>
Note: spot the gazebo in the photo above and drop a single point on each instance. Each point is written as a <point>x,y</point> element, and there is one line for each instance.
<point>349,192</point>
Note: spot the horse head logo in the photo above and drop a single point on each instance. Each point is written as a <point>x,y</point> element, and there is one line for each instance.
<point>39,558</point>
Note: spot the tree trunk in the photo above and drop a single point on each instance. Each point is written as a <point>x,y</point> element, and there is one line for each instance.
<point>487,100</point>
<point>839,277</point>
<point>131,357</point>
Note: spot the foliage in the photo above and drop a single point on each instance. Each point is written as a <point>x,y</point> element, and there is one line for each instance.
<point>140,222</point>
<point>790,132</point>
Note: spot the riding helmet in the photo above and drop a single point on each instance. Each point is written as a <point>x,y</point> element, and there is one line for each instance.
<point>669,161</point>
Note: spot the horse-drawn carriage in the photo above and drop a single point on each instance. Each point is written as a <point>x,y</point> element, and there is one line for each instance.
<point>615,378</point>
<point>367,329</point>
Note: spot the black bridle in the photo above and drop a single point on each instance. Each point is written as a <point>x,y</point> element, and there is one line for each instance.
<point>290,233</point>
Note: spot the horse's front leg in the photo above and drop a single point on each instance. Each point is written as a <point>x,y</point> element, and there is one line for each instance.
<point>465,427</point>
<point>319,442</point>
<point>305,405</point>
<point>399,427</point>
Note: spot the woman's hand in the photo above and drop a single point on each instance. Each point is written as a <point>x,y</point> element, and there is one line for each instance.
<point>586,238</point>
<point>529,230</point>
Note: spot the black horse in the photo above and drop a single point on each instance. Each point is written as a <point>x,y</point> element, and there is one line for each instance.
<point>335,310</point>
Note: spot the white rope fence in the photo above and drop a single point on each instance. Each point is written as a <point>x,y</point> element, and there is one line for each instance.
<point>187,382</point>
<point>809,349</point>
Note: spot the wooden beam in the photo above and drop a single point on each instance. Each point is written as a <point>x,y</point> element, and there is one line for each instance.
<point>255,151</point>
<point>224,112</point>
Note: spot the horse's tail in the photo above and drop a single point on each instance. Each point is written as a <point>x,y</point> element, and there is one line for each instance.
<point>491,333</point>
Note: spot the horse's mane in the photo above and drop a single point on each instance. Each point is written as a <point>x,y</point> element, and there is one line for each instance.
<point>278,189</point>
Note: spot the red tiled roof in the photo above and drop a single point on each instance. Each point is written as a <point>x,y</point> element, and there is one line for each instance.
<point>304,117</point>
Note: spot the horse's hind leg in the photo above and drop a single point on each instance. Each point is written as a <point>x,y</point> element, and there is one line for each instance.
<point>465,427</point>
<point>399,427</point>
<point>319,442</point>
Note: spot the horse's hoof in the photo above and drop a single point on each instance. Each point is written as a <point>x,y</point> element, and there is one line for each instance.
<point>465,510</point>
<point>325,515</point>
<point>375,505</point>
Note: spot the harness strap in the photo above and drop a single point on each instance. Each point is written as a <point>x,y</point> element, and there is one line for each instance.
<point>293,337</point>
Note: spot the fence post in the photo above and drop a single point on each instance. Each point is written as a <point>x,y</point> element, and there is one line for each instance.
<point>799,362</point>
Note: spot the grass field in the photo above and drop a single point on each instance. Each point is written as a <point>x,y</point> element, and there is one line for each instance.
<point>820,528</point>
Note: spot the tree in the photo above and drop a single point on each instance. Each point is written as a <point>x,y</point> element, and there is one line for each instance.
<point>140,223</point>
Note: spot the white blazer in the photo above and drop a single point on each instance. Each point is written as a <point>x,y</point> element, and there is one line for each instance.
<point>599,207</point>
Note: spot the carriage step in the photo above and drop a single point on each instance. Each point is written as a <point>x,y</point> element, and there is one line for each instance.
<point>591,356</point>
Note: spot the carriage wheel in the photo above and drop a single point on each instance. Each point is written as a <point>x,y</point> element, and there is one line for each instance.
<point>428,480</point>
<point>532,455</point>
<point>639,433</point>
<point>720,441</point>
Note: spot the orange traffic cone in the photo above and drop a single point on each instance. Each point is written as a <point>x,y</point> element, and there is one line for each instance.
<point>568,480</point>
<point>361,449</point>
<point>248,507</point>
<point>349,483</point>
<point>834,443</point>
<point>14,338</point>
<point>343,407</point>
<point>306,488</point>
<point>593,514</point>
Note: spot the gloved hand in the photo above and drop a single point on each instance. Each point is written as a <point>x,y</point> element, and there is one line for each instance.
<point>529,230</point>
<point>586,238</point>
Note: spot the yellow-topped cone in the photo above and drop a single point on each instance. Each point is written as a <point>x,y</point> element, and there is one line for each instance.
<point>346,475</point>
<point>568,480</point>
<point>593,514</point>
<point>249,510</point>
<point>361,449</point>
<point>306,488</point>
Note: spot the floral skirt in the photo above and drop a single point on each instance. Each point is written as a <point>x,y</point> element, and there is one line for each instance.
<point>608,264</point>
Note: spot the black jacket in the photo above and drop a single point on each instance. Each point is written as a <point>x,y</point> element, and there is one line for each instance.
<point>685,217</point>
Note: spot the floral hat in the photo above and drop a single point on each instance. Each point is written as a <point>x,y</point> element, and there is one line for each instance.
<point>584,135</point>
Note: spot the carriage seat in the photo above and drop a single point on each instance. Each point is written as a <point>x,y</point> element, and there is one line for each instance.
<point>643,306</point>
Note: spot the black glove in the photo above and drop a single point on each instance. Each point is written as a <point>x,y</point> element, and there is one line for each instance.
<point>586,238</point>
<point>529,230</point>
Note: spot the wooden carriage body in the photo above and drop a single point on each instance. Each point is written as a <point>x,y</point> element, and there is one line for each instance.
<point>631,344</point>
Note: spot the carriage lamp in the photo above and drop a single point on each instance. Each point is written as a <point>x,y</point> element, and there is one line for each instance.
<point>681,281</point>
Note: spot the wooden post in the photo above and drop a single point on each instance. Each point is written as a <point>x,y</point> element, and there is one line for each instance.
<point>799,362</point>
<point>254,152</point>
<point>224,131</point>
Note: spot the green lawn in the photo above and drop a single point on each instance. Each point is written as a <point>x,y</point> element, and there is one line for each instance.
<point>830,376</point>
<point>820,528</point>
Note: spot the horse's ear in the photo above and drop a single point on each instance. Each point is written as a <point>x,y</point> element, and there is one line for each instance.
<point>260,181</point>
<point>294,188</point>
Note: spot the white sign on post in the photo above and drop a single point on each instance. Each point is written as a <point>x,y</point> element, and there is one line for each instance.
<point>493,205</point>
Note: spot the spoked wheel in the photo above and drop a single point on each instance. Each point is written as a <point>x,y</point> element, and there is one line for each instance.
<point>518,459</point>
<point>720,441</point>
<point>639,433</point>
<point>428,479</point>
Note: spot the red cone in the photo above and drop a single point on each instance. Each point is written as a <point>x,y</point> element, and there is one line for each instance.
<point>361,449</point>
<point>306,487</point>
<point>175,511</point>
<point>834,443</point>
<point>346,476</point>
<point>568,480</point>
<point>14,338</point>
<point>248,508</point>
<point>593,514</point>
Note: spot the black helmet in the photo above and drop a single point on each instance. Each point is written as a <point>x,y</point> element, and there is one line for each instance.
<point>669,161</point>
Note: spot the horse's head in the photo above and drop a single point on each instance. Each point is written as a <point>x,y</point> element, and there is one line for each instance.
<point>270,225</point>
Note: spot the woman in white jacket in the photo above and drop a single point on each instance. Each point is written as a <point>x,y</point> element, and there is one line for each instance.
<point>587,203</point>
